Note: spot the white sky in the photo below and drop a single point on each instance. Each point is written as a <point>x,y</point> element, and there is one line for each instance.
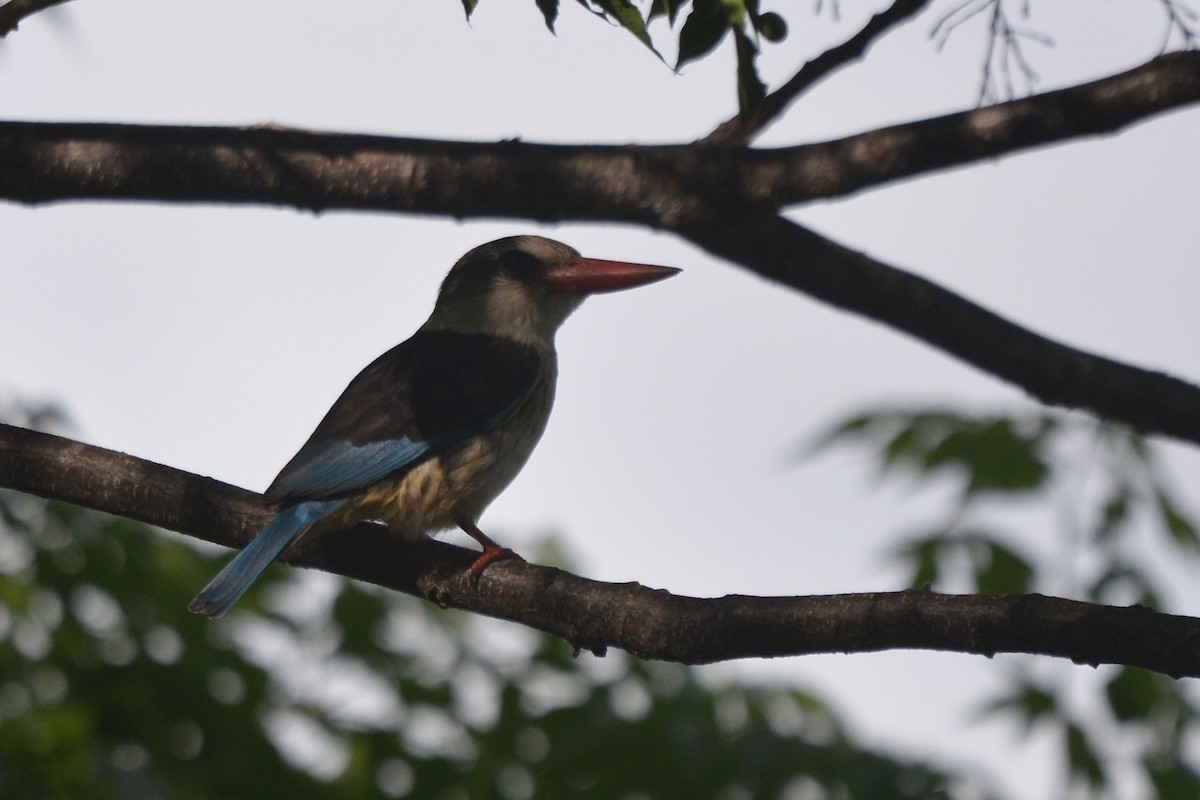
<point>213,339</point>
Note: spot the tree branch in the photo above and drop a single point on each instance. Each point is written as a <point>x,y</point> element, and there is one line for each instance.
<point>653,185</point>
<point>723,199</point>
<point>841,167</point>
<point>737,131</point>
<point>12,12</point>
<point>1053,373</point>
<point>593,615</point>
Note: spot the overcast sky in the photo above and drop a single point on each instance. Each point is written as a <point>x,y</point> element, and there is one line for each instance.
<point>213,339</point>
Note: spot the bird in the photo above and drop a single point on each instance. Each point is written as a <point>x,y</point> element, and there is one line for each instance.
<point>428,434</point>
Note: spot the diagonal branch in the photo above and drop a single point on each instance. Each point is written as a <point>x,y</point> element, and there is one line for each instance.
<point>12,12</point>
<point>738,131</point>
<point>1052,372</point>
<point>594,615</point>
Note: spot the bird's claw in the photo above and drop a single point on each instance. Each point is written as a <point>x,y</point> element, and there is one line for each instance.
<point>489,555</point>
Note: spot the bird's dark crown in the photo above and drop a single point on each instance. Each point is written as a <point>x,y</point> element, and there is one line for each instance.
<point>523,258</point>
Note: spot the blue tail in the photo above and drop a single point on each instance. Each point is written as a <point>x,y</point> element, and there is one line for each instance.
<point>233,581</point>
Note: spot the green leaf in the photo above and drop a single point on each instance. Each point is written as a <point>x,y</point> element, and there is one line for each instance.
<point>703,30</point>
<point>668,8</point>
<point>1081,758</point>
<point>1172,780</point>
<point>998,569</point>
<point>995,456</point>
<point>922,556</point>
<point>1115,513</point>
<point>1030,704</point>
<point>1135,694</point>
<point>469,7</point>
<point>626,15</point>
<point>1124,584</point>
<point>1181,528</point>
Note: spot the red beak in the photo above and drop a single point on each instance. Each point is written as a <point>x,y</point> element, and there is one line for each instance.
<point>591,275</point>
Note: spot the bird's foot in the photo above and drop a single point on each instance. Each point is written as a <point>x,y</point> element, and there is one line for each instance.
<point>491,550</point>
<point>490,554</point>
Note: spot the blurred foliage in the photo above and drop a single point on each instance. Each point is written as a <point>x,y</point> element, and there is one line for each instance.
<point>315,685</point>
<point>110,689</point>
<point>1116,522</point>
<point>320,686</point>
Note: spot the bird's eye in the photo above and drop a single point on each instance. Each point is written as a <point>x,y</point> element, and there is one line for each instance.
<point>520,265</point>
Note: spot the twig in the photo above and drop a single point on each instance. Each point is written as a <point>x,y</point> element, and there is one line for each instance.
<point>737,131</point>
<point>1181,19</point>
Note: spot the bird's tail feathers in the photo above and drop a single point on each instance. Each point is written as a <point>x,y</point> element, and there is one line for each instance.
<point>232,582</point>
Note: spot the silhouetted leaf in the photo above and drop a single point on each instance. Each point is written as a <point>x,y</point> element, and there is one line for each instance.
<point>705,27</point>
<point>668,8</point>
<point>625,14</point>
<point>549,9</point>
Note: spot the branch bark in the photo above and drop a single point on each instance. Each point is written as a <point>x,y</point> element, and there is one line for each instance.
<point>1053,373</point>
<point>658,186</point>
<point>14,11</point>
<point>593,615</point>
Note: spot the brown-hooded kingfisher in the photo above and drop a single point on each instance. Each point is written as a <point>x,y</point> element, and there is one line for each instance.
<point>433,430</point>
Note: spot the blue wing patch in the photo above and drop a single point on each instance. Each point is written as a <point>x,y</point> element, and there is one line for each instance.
<point>431,392</point>
<point>334,467</point>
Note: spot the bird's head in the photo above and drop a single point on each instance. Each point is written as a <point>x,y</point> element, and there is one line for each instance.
<point>524,287</point>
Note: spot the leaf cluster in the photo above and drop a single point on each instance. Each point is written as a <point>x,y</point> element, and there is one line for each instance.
<point>1113,506</point>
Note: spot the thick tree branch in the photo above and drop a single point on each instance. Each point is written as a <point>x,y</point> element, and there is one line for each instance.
<point>737,131</point>
<point>1053,373</point>
<point>12,12</point>
<point>653,185</point>
<point>593,615</point>
<point>721,198</point>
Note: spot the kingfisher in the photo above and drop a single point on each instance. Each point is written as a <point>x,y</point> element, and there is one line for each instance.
<point>428,434</point>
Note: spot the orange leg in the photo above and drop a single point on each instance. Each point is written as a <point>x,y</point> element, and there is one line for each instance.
<point>491,550</point>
